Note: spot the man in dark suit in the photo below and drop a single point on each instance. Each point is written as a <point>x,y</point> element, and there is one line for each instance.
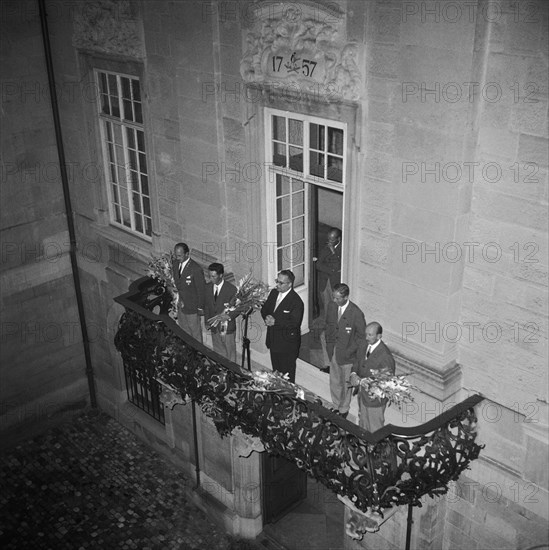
<point>328,266</point>
<point>375,356</point>
<point>283,313</point>
<point>189,280</point>
<point>345,328</point>
<point>218,293</point>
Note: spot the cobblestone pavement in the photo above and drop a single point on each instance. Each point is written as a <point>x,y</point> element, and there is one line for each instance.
<point>90,483</point>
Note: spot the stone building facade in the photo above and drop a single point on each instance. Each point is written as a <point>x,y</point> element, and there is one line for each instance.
<point>420,128</point>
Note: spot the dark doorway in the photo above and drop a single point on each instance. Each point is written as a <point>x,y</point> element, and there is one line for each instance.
<point>284,486</point>
<point>316,522</point>
<point>325,212</point>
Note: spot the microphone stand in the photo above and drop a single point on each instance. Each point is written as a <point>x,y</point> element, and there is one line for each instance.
<point>246,341</point>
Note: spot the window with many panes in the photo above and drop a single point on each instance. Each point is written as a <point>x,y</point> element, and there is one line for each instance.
<point>301,150</point>
<point>123,136</point>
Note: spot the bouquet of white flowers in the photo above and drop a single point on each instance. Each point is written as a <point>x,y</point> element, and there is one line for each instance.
<point>250,295</point>
<point>160,269</point>
<point>396,389</point>
<point>276,382</point>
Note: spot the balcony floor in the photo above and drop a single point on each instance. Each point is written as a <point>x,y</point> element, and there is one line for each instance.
<point>90,483</point>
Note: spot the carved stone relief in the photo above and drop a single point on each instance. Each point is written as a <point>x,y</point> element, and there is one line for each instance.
<point>108,26</point>
<point>170,396</point>
<point>245,444</point>
<point>302,53</point>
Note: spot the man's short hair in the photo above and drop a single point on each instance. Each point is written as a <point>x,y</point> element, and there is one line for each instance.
<point>288,274</point>
<point>335,230</point>
<point>377,326</point>
<point>183,246</point>
<point>217,267</point>
<point>343,289</point>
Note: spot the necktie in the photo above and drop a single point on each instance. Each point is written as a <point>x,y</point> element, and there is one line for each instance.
<point>215,294</point>
<point>181,269</point>
<point>339,313</point>
<point>368,352</point>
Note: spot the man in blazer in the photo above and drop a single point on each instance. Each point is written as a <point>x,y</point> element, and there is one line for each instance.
<point>375,356</point>
<point>328,266</point>
<point>218,293</point>
<point>283,313</point>
<point>189,280</point>
<point>345,335</point>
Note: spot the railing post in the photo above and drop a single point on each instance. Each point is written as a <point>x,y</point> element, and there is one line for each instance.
<point>195,438</point>
<point>409,525</point>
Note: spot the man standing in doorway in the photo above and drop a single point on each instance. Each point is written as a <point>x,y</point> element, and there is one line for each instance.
<point>376,357</point>
<point>189,280</point>
<point>328,266</point>
<point>345,328</point>
<point>218,293</point>
<point>283,314</point>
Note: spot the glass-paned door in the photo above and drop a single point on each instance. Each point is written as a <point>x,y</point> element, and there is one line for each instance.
<point>302,152</point>
<point>291,220</point>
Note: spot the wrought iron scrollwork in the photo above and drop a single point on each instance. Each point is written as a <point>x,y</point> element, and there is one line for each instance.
<point>375,472</point>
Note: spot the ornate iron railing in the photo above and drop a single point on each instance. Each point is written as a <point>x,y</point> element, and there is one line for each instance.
<point>392,466</point>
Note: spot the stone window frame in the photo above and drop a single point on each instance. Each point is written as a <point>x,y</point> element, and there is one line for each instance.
<point>127,178</point>
<point>137,244</point>
<point>259,97</point>
<point>295,174</point>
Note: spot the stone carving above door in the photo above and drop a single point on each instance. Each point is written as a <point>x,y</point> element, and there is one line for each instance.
<point>297,51</point>
<point>108,26</point>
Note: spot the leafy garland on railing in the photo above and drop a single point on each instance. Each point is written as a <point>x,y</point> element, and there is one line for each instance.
<point>397,470</point>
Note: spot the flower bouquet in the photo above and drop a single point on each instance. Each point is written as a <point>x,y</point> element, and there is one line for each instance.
<point>250,295</point>
<point>396,389</point>
<point>275,382</point>
<point>160,269</point>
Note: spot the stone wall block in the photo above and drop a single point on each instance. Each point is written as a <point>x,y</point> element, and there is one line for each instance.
<point>383,61</point>
<point>507,209</point>
<point>533,149</point>
<point>530,117</point>
<point>430,146</point>
<point>478,280</point>
<point>386,25</point>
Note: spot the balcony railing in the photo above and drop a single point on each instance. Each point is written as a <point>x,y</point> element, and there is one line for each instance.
<point>374,471</point>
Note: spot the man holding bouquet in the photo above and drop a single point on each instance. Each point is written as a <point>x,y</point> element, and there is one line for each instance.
<point>222,324</point>
<point>375,357</point>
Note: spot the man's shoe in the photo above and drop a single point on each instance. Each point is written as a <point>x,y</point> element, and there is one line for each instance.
<point>326,369</point>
